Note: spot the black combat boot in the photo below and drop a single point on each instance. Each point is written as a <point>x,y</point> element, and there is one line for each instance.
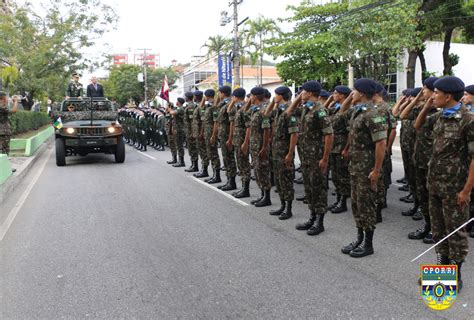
<point>351,246</point>
<point>244,192</point>
<point>216,178</point>
<point>402,180</point>
<point>308,224</point>
<point>144,148</point>
<point>192,167</point>
<point>365,248</point>
<point>301,198</point>
<point>335,204</point>
<point>408,198</point>
<point>378,213</point>
<point>231,185</point>
<point>299,180</point>
<point>418,215</point>
<point>429,238</point>
<point>460,283</point>
<point>280,210</point>
<point>420,233</point>
<point>318,227</point>
<point>262,194</point>
<point>410,212</point>
<point>173,160</point>
<point>471,233</point>
<point>180,163</point>
<point>404,188</point>
<point>341,207</point>
<point>223,185</point>
<point>210,178</point>
<point>266,201</point>
<point>202,174</point>
<point>287,214</point>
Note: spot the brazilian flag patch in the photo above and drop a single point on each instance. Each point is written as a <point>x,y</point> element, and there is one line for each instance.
<point>292,119</point>
<point>322,114</point>
<point>379,120</point>
<point>266,121</point>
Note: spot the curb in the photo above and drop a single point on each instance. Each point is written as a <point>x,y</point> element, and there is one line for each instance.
<point>16,178</point>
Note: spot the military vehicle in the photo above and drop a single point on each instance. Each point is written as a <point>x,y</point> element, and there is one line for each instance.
<point>88,125</point>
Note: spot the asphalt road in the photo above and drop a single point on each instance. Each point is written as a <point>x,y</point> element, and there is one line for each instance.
<point>144,240</point>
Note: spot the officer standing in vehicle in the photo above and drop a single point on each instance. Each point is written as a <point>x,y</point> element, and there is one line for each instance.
<point>75,88</point>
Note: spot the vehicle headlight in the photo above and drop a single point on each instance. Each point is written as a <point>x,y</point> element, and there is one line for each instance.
<point>111,129</point>
<point>70,130</point>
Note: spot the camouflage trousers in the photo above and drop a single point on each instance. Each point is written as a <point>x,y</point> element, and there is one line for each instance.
<point>213,153</point>
<point>262,170</point>
<point>315,187</point>
<point>159,137</point>
<point>446,216</point>
<point>180,139</point>
<point>422,194</point>
<point>192,147</point>
<point>172,144</point>
<point>228,159</point>
<point>243,164</point>
<point>340,174</point>
<point>409,166</point>
<point>5,144</point>
<point>363,200</point>
<point>385,180</point>
<point>284,180</point>
<point>202,151</point>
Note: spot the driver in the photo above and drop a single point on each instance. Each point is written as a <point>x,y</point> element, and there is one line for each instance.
<point>71,108</point>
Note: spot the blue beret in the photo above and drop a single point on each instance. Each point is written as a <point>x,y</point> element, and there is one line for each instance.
<point>406,92</point>
<point>257,91</point>
<point>449,84</point>
<point>324,94</point>
<point>267,93</point>
<point>198,93</point>
<point>429,82</point>
<point>283,90</point>
<point>225,90</point>
<point>414,92</point>
<point>470,89</point>
<point>366,86</point>
<point>343,90</point>
<point>380,87</point>
<point>312,86</point>
<point>210,93</point>
<point>239,93</point>
<point>181,100</point>
<point>188,95</point>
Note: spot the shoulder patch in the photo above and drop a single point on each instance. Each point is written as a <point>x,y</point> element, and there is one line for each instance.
<point>379,119</point>
<point>292,119</point>
<point>322,114</point>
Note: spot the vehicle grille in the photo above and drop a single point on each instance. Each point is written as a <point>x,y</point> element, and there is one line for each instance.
<point>91,131</point>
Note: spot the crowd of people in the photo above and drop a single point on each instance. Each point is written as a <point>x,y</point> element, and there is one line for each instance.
<point>348,133</point>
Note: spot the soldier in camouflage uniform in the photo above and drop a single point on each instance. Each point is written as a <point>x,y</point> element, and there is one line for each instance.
<point>468,100</point>
<point>170,134</point>
<point>316,138</point>
<point>159,135</point>
<point>198,134</point>
<point>178,113</point>
<point>189,108</point>
<point>210,131</point>
<point>5,130</point>
<point>285,136</point>
<point>368,135</point>
<point>451,168</point>
<point>75,88</point>
<point>227,149</point>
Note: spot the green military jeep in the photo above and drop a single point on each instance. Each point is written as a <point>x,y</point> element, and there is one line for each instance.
<point>88,125</point>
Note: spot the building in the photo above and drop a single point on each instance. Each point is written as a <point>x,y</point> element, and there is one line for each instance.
<point>152,59</point>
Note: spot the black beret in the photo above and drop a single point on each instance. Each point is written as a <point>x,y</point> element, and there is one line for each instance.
<point>210,93</point>
<point>429,82</point>
<point>181,100</point>
<point>379,87</point>
<point>365,85</point>
<point>188,95</point>
<point>406,92</point>
<point>239,93</point>
<point>414,92</point>
<point>198,93</point>
<point>343,89</point>
<point>267,93</point>
<point>282,90</point>
<point>324,94</point>
<point>225,90</point>
<point>470,89</point>
<point>256,91</point>
<point>312,86</point>
<point>449,84</point>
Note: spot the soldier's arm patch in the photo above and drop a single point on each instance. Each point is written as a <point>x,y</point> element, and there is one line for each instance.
<point>322,114</point>
<point>379,135</point>
<point>327,130</point>
<point>379,119</point>
<point>293,130</point>
<point>266,123</point>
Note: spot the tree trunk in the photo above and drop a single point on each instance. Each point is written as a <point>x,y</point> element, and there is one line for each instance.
<point>261,61</point>
<point>411,66</point>
<point>424,71</point>
<point>448,67</point>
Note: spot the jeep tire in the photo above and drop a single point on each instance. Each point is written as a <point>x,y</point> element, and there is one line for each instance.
<point>60,152</point>
<point>120,150</point>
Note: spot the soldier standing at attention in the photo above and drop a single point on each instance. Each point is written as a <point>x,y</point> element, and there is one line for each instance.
<point>285,137</point>
<point>75,88</point>
<point>210,129</point>
<point>368,136</point>
<point>198,117</point>
<point>170,133</point>
<point>316,140</point>
<point>189,107</point>
<point>5,130</point>
<point>178,115</point>
<point>451,168</point>
<point>224,133</point>
<point>468,100</point>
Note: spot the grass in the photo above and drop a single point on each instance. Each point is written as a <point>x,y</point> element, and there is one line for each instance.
<point>31,133</point>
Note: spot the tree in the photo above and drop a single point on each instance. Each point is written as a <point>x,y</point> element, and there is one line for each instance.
<point>9,75</point>
<point>217,45</point>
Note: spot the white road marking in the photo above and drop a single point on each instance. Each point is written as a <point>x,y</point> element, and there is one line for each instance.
<point>11,216</point>
<point>146,155</point>
<point>219,191</point>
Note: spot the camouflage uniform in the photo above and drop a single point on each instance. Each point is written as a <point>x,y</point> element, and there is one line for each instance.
<point>284,126</point>
<point>74,89</point>
<point>453,148</point>
<point>191,140</point>
<point>367,127</point>
<point>258,122</point>
<point>407,144</point>
<point>198,116</point>
<point>227,155</point>
<point>5,131</point>
<point>172,143</point>
<point>210,116</point>
<point>241,120</point>
<point>179,130</point>
<point>314,127</point>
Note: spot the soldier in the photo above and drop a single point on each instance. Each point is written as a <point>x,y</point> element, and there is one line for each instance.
<point>189,107</point>
<point>5,130</point>
<point>178,115</point>
<point>468,100</point>
<point>142,128</point>
<point>316,140</point>
<point>74,89</point>
<point>451,168</point>
<point>198,117</point>
<point>285,136</point>
<point>368,135</point>
<point>210,131</point>
<point>170,134</point>
<point>324,96</point>
<point>224,134</point>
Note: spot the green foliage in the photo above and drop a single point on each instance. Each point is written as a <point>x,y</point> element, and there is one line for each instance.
<point>217,45</point>
<point>22,121</point>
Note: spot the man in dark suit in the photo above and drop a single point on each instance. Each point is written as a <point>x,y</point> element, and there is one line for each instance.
<point>94,89</point>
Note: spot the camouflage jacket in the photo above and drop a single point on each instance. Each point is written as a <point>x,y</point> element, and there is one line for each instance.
<point>284,125</point>
<point>241,120</point>
<point>453,148</point>
<point>210,116</point>
<point>5,129</point>
<point>408,132</point>
<point>74,90</point>
<point>223,119</point>
<point>339,124</point>
<point>424,142</point>
<point>258,122</point>
<point>367,126</point>
<point>188,116</point>
<point>197,122</point>
<point>315,125</point>
<point>178,119</point>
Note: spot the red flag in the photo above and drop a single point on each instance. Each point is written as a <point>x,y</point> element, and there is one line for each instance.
<point>165,90</point>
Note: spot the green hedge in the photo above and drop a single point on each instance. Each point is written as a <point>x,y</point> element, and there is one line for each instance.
<point>22,121</point>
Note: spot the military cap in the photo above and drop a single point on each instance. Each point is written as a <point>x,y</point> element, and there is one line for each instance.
<point>343,90</point>
<point>366,86</point>
<point>470,89</point>
<point>239,93</point>
<point>210,93</point>
<point>225,90</point>
<point>312,86</point>
<point>449,84</point>
<point>198,93</point>
<point>414,92</point>
<point>256,91</point>
<point>2,94</point>
<point>406,92</point>
<point>429,82</point>
<point>324,94</point>
<point>76,74</point>
<point>268,94</point>
<point>189,95</point>
<point>181,100</point>
<point>282,90</point>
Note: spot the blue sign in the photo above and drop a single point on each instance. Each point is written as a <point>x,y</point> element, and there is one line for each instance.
<point>224,70</point>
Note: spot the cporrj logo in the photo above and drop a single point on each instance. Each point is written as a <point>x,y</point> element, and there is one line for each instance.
<point>439,285</point>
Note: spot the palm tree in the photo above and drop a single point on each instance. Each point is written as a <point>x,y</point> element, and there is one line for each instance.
<point>217,45</point>
<point>259,31</point>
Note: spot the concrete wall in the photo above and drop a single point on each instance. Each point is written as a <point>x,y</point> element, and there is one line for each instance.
<point>28,147</point>
<point>5,168</point>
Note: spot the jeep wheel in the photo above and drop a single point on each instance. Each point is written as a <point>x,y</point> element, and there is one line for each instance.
<point>120,150</point>
<point>60,152</point>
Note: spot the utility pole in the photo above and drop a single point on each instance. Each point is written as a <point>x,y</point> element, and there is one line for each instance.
<point>144,74</point>
<point>350,69</point>
<point>236,47</point>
